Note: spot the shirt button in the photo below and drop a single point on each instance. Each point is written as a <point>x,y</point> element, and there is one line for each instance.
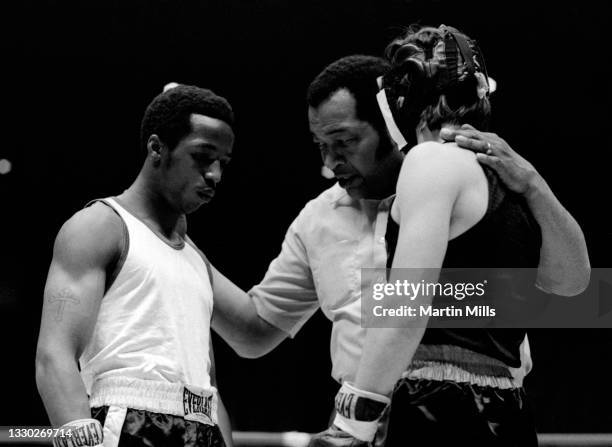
<point>381,240</point>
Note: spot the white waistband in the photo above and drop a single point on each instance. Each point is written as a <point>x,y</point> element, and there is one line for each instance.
<point>446,371</point>
<point>192,403</point>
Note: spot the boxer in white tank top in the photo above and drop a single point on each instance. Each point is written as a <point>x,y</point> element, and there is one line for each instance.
<point>129,296</point>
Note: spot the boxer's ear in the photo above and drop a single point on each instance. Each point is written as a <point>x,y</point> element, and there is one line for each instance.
<point>154,149</point>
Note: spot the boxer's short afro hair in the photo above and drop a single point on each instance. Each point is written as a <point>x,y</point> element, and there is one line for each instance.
<point>168,115</point>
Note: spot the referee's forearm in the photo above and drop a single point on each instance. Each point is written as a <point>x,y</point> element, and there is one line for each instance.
<point>564,267</point>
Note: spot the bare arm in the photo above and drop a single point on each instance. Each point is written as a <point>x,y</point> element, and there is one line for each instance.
<point>564,267</point>
<point>236,320</point>
<point>222,417</point>
<point>255,323</point>
<point>224,424</point>
<point>73,292</point>
<point>426,193</point>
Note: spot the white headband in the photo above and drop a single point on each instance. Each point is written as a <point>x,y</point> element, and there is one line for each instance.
<point>383,105</point>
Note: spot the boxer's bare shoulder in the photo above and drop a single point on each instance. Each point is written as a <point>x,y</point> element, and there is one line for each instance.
<point>95,232</point>
<point>85,247</point>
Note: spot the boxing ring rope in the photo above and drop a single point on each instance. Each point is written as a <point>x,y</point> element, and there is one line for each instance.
<point>300,439</point>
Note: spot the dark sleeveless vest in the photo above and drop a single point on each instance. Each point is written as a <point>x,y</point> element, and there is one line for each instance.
<point>506,237</point>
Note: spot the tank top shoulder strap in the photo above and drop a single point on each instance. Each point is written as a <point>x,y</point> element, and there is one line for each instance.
<point>114,204</point>
<point>115,267</point>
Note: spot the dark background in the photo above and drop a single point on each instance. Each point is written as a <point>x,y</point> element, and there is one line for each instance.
<point>75,79</point>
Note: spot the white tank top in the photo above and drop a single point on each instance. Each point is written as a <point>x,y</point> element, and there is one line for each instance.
<point>154,320</point>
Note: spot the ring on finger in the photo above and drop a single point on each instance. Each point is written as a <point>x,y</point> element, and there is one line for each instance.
<point>489,151</point>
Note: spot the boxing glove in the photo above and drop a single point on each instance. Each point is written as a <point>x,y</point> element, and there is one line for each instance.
<point>356,420</point>
<point>80,433</point>
<point>334,437</point>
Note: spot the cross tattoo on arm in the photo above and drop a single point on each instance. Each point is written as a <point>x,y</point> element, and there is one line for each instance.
<point>62,298</point>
